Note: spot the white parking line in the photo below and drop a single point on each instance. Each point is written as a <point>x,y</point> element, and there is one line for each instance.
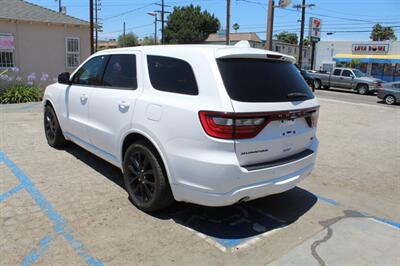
<point>358,104</point>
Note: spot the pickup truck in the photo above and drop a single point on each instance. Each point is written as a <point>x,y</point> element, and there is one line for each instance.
<point>346,78</point>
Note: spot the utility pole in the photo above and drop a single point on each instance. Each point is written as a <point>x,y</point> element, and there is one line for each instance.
<point>162,22</point>
<point>123,36</point>
<point>97,25</point>
<point>303,12</point>
<point>270,24</point>
<point>154,14</point>
<point>228,20</point>
<point>91,26</point>
<point>312,54</point>
<point>59,6</point>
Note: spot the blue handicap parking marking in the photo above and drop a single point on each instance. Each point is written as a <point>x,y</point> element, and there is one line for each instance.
<point>60,226</point>
<point>228,226</point>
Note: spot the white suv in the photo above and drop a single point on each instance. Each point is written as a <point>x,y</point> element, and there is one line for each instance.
<point>211,125</point>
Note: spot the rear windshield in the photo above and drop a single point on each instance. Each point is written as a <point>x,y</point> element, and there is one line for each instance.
<point>259,80</point>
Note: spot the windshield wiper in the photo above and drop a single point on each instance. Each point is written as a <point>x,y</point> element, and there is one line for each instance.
<point>294,95</point>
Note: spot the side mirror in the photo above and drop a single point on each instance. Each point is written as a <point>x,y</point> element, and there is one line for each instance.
<point>63,78</point>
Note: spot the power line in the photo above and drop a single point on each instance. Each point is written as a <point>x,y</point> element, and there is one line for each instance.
<point>127,12</point>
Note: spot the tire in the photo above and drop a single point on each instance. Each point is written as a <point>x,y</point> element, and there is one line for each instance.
<point>52,129</point>
<point>390,99</point>
<point>145,178</point>
<point>362,89</point>
<point>311,85</point>
<point>317,84</point>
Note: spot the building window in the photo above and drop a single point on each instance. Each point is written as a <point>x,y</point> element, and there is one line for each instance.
<point>72,52</point>
<point>7,49</point>
<point>305,53</point>
<point>6,59</point>
<point>289,49</point>
<point>277,48</point>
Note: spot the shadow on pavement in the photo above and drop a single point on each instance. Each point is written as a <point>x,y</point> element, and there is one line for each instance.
<point>229,226</point>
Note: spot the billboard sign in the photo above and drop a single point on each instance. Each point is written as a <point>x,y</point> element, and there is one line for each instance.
<point>314,30</point>
<point>370,48</point>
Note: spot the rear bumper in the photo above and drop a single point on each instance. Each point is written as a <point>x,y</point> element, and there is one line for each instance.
<point>250,192</point>
<point>225,184</point>
<point>373,88</point>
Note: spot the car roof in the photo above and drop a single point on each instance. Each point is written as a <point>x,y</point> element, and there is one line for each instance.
<point>218,51</point>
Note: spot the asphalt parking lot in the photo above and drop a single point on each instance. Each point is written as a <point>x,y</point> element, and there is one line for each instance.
<point>68,207</point>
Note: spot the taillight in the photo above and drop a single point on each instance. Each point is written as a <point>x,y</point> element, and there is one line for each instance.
<point>312,118</point>
<point>231,126</point>
<point>380,86</point>
<point>248,125</point>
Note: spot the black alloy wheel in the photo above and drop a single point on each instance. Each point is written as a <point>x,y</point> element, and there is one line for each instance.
<point>141,176</point>
<point>145,179</point>
<point>52,128</point>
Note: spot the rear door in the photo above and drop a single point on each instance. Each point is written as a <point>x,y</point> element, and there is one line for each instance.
<point>273,90</point>
<point>346,79</point>
<point>335,78</point>
<point>112,104</point>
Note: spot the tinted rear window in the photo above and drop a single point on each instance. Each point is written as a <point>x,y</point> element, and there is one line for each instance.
<point>171,75</point>
<point>121,72</point>
<point>258,80</point>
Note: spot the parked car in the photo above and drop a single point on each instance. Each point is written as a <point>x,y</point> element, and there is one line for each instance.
<point>347,78</point>
<point>390,92</point>
<point>211,125</point>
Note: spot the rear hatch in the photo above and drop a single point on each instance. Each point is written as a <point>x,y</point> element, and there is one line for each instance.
<point>275,111</point>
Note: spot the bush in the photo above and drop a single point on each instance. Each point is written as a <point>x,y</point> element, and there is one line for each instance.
<point>21,94</point>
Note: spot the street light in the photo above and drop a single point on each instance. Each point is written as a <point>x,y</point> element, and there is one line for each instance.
<point>154,14</point>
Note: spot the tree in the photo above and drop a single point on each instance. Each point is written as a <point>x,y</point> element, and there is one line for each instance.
<point>287,37</point>
<point>148,40</point>
<point>130,40</point>
<point>190,25</point>
<point>306,42</point>
<point>381,33</point>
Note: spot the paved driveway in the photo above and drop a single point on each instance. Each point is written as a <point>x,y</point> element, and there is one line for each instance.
<point>69,207</point>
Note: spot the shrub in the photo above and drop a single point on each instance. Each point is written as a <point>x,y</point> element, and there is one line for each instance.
<point>21,94</point>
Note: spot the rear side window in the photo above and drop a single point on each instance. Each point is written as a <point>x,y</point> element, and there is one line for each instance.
<point>171,75</point>
<point>259,80</point>
<point>121,72</point>
<point>90,73</point>
<point>347,73</point>
<point>337,72</point>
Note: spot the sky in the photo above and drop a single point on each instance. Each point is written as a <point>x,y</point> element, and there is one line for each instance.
<point>346,19</point>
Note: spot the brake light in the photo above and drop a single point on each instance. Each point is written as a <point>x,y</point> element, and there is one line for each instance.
<point>312,118</point>
<point>231,126</point>
<point>248,125</point>
<point>380,86</point>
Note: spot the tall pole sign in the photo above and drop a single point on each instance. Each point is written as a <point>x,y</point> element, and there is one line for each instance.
<point>314,33</point>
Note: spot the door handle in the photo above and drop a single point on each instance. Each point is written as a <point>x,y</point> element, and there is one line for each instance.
<point>123,105</point>
<point>84,97</point>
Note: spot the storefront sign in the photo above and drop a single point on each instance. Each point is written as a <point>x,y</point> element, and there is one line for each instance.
<point>314,29</point>
<point>6,42</point>
<point>370,48</point>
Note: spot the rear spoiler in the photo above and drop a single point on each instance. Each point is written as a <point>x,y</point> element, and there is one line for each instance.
<point>247,52</point>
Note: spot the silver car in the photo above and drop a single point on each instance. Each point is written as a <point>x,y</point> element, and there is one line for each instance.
<point>390,92</point>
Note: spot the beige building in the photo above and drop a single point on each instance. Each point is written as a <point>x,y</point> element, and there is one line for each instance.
<point>251,37</point>
<point>39,42</point>
<point>110,44</point>
<point>256,42</point>
<point>293,50</point>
